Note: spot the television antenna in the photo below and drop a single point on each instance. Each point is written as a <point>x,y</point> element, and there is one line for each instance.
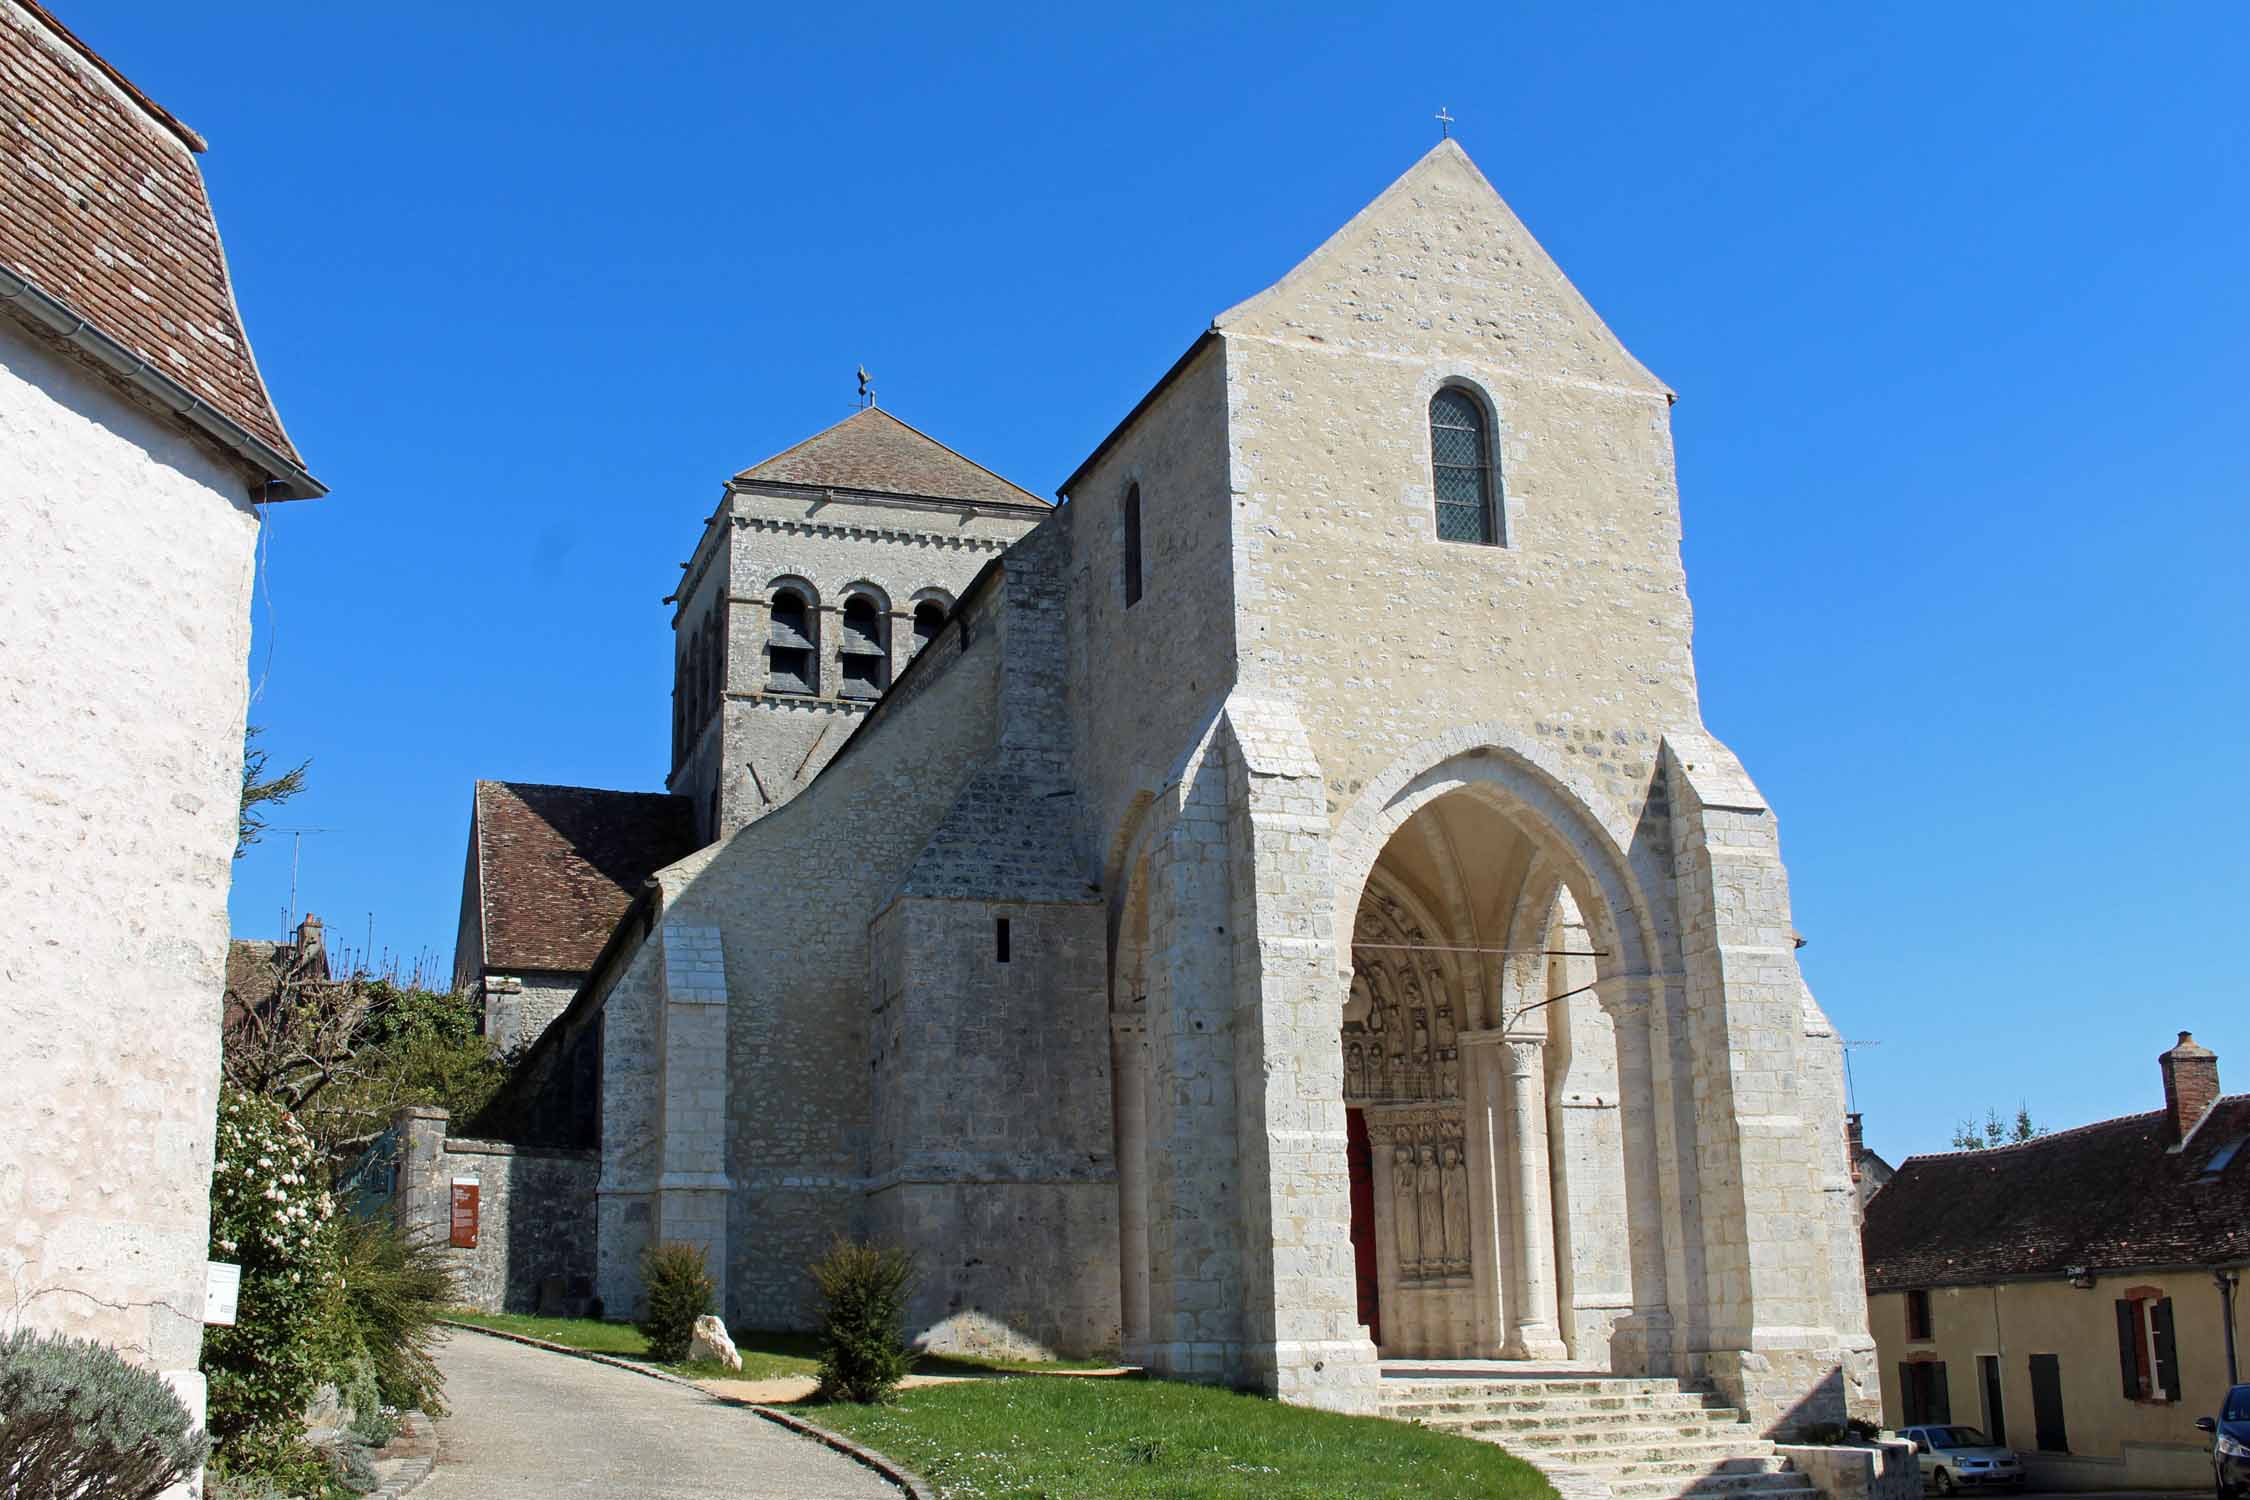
<point>1851,1096</point>
<point>296,855</point>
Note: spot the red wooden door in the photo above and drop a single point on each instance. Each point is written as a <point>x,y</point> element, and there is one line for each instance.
<point>1362,1167</point>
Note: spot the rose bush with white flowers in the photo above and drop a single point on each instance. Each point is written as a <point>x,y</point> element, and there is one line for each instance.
<point>271,1214</point>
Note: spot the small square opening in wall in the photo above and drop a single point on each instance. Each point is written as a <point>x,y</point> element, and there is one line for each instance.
<point>1000,939</point>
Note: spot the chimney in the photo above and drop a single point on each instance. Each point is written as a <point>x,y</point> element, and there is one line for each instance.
<point>1854,1144</point>
<point>2191,1086</point>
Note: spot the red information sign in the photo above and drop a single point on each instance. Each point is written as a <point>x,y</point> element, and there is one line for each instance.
<point>464,1213</point>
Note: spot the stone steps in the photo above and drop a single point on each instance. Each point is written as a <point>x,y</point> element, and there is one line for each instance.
<point>1624,1437</point>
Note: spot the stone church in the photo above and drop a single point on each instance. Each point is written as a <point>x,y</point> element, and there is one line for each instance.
<point>1275,910</point>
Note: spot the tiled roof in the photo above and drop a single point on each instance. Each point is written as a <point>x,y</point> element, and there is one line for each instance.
<point>2108,1197</point>
<point>874,451</point>
<point>560,864</point>
<point>102,208</point>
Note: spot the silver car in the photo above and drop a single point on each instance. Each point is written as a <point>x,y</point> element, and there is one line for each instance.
<point>1958,1458</point>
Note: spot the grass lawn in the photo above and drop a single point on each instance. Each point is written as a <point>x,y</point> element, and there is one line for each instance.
<point>1097,1439</point>
<point>765,1356</point>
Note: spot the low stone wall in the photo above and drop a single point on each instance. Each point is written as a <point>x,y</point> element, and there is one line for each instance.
<point>532,1218</point>
<point>1886,1470</point>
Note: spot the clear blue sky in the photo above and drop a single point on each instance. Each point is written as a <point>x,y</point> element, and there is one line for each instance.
<point>1955,298</point>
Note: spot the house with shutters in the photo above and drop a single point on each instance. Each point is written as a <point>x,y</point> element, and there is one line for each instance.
<point>2075,1296</point>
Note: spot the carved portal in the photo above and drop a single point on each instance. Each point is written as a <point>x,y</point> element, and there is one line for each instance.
<point>1429,1194</point>
<point>1402,1020</point>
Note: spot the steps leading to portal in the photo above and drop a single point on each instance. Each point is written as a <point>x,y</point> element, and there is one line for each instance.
<point>1627,1437</point>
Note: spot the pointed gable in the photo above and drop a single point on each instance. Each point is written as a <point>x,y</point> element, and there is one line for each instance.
<point>873,451</point>
<point>1440,265</point>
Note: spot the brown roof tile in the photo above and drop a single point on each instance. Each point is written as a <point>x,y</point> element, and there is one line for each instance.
<point>874,451</point>
<point>2108,1197</point>
<point>560,865</point>
<point>102,207</point>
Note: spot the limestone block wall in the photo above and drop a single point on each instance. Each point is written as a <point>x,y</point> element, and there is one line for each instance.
<point>631,1138</point>
<point>535,1231</point>
<point>1146,680</point>
<point>991,1154</point>
<point>519,1007</point>
<point>125,576</point>
<point>793,893</point>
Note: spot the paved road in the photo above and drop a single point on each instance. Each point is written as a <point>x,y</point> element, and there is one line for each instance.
<point>529,1423</point>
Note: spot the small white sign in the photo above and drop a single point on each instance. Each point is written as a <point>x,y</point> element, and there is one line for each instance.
<point>222,1288</point>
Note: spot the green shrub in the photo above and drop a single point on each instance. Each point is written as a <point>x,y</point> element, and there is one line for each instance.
<point>77,1421</point>
<point>679,1291</point>
<point>349,1469</point>
<point>863,1289</point>
<point>392,1286</point>
<point>270,1215</point>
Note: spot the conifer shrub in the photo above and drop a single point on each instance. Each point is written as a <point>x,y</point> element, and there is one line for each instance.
<point>863,1291</point>
<point>679,1291</point>
<point>392,1287</point>
<point>79,1423</point>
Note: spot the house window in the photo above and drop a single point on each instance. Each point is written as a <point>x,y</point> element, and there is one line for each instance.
<point>1131,565</point>
<point>929,619</point>
<point>1921,1390</point>
<point>2148,1356</point>
<point>1918,1317</point>
<point>865,655</point>
<point>1000,939</point>
<point>1462,472</point>
<point>789,645</point>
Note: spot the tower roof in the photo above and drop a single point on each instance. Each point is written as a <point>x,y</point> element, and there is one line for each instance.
<point>875,452</point>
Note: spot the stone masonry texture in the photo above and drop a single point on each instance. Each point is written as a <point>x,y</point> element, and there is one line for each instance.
<point>1079,960</point>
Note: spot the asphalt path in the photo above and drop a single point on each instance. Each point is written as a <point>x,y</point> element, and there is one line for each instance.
<point>527,1422</point>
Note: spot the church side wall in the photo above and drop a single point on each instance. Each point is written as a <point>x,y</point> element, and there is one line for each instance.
<point>125,575</point>
<point>794,893</point>
<point>630,1109</point>
<point>991,1156</point>
<point>1147,679</point>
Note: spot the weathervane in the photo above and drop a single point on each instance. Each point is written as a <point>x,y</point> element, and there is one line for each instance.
<point>1444,123</point>
<point>866,388</point>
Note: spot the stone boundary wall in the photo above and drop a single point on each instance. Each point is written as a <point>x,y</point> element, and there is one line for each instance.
<point>534,1250</point>
<point>1886,1470</point>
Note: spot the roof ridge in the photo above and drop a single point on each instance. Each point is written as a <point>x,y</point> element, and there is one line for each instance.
<point>188,135</point>
<point>2057,1135</point>
<point>562,786</point>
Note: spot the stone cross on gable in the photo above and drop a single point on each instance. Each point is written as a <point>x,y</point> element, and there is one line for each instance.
<point>1445,123</point>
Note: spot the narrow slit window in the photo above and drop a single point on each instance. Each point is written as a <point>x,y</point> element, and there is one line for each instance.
<point>1132,546</point>
<point>1466,483</point>
<point>1000,939</point>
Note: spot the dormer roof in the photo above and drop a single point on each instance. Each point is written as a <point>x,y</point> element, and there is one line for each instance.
<point>873,452</point>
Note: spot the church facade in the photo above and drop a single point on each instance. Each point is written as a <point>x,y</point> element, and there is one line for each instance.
<point>1278,909</point>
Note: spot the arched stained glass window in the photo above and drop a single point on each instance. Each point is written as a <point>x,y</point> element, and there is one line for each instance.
<point>1463,474</point>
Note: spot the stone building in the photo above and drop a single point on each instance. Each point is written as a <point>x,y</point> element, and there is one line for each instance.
<point>2071,1295</point>
<point>137,442</point>
<point>1282,907</point>
<point>550,871</point>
